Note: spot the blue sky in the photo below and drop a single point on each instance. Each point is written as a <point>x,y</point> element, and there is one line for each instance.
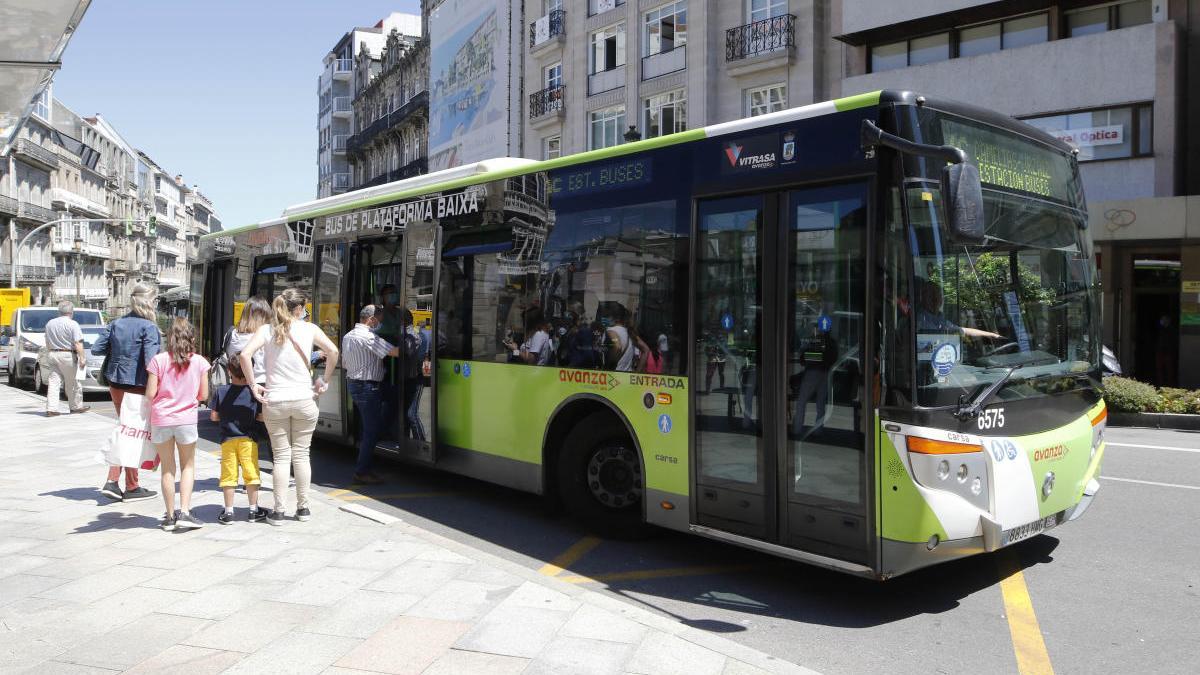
<point>221,91</point>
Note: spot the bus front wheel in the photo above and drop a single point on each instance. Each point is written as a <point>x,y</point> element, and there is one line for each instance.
<point>600,478</point>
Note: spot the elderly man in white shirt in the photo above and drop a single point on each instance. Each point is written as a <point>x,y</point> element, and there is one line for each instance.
<point>362,356</point>
<point>64,342</point>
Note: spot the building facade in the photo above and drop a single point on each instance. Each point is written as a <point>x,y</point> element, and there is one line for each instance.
<point>391,111</point>
<point>1108,77</point>
<point>335,94</point>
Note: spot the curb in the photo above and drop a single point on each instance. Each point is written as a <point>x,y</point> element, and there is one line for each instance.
<point>1154,420</point>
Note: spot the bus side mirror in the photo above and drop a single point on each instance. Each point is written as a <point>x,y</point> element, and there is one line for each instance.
<point>962,194</point>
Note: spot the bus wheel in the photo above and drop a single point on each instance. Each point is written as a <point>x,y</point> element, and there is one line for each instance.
<point>600,478</point>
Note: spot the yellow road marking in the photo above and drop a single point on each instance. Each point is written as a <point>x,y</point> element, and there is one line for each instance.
<point>661,573</point>
<point>338,493</point>
<point>397,495</point>
<point>1028,645</point>
<point>569,556</point>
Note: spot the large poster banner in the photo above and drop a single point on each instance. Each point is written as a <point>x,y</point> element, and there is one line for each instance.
<point>469,70</point>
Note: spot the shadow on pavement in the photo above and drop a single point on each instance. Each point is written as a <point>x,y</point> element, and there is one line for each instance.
<point>82,494</point>
<point>112,520</point>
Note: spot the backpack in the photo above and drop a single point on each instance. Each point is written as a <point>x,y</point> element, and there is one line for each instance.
<point>218,372</point>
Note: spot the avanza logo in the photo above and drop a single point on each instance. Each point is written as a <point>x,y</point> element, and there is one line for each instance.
<point>589,378</point>
<point>1053,452</point>
<point>732,152</point>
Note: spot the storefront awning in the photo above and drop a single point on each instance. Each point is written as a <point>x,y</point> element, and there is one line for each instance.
<point>33,36</point>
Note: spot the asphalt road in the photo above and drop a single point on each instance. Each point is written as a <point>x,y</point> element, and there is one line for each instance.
<point>1116,591</point>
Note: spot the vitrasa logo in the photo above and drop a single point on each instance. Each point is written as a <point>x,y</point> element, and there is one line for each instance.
<point>733,152</point>
<point>1052,453</point>
<point>589,379</point>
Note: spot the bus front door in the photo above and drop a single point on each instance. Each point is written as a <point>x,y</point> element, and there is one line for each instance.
<point>779,319</point>
<point>418,350</point>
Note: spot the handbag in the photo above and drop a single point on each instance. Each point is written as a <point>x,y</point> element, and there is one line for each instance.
<point>102,374</point>
<point>218,373</point>
<point>129,443</point>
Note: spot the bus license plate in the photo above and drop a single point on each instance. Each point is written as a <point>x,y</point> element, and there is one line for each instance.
<point>1020,532</point>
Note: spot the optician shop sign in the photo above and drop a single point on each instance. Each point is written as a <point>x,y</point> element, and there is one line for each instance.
<point>1088,137</point>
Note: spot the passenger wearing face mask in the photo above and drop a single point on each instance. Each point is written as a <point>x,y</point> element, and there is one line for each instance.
<point>363,352</point>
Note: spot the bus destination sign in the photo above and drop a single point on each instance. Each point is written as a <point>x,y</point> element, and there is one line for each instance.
<point>396,216</point>
<point>627,173</point>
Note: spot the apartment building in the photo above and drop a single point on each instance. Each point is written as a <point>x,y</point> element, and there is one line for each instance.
<point>335,95</point>
<point>389,139</point>
<point>599,72</point>
<point>1109,77</point>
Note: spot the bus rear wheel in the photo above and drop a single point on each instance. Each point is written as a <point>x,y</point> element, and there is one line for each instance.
<point>600,478</point>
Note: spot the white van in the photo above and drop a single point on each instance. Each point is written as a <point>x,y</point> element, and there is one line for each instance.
<point>27,348</point>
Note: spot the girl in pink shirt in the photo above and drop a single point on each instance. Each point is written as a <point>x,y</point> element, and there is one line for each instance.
<point>177,382</point>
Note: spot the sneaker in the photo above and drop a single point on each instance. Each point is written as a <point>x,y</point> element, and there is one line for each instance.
<point>51,413</point>
<point>112,490</point>
<point>257,515</point>
<point>168,523</point>
<point>186,521</point>
<point>81,410</point>
<point>138,494</point>
<point>226,518</point>
<point>366,479</point>
<point>303,514</point>
<point>275,518</point>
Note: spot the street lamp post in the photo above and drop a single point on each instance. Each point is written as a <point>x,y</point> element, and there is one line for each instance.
<point>78,257</point>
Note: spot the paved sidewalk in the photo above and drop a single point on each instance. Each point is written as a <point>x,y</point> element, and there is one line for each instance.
<point>89,585</point>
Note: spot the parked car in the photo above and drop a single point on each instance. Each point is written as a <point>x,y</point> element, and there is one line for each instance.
<point>29,341</point>
<point>90,384</point>
<point>4,342</point>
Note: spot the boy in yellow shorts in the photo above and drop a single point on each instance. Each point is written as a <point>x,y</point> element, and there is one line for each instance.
<point>234,407</point>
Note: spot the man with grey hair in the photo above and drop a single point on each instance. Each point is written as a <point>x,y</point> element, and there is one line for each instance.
<point>64,344</point>
<point>362,356</point>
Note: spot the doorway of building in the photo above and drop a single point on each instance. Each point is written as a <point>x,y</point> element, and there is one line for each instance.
<point>1156,318</point>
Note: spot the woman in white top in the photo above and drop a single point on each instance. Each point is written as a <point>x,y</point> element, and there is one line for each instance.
<point>289,405</point>
<point>256,313</point>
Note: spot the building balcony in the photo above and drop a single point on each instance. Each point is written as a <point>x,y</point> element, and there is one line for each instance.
<point>148,269</point>
<point>413,168</point>
<point>342,106</point>
<point>341,180</point>
<point>77,238</point>
<point>601,6</point>
<point>664,62</point>
<point>119,266</point>
<point>171,276</point>
<point>33,153</point>
<point>34,212</point>
<point>88,289</point>
<point>169,246</point>
<point>343,69</point>
<point>762,44</point>
<point>606,80</point>
<point>8,206</point>
<point>28,273</point>
<point>547,31</point>
<point>339,143</point>
<point>418,103</point>
<point>60,197</point>
<point>547,105</point>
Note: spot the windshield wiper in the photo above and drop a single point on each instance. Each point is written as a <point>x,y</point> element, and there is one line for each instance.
<point>973,408</point>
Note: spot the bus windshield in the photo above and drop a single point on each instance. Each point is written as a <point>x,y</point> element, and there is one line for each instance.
<point>1022,303</point>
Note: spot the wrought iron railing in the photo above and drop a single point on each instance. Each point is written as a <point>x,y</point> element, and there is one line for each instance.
<point>28,272</point>
<point>8,205</point>
<point>760,37</point>
<point>556,25</point>
<point>414,168</point>
<point>418,102</point>
<point>30,211</point>
<point>547,101</point>
<point>36,152</point>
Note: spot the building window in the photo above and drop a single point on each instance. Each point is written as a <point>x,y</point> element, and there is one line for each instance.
<point>554,76</point>
<point>766,99</point>
<point>608,49</point>
<point>966,41</point>
<point>552,147</point>
<point>761,10</point>
<point>41,105</point>
<point>665,114</point>
<point>1105,133</point>
<point>1108,17</point>
<point>553,5</point>
<point>605,127</point>
<point>665,28</point>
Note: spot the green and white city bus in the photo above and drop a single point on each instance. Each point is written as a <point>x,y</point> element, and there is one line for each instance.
<point>867,330</point>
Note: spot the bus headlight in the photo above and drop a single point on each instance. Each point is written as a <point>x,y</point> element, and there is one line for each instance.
<point>943,470</point>
<point>933,461</point>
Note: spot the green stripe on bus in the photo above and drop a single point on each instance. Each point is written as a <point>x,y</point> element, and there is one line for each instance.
<point>229,233</point>
<point>857,101</point>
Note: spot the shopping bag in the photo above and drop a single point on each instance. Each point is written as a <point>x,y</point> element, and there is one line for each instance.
<point>129,444</point>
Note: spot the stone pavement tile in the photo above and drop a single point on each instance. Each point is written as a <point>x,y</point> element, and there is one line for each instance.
<point>439,554</point>
<point>513,631</point>
<point>187,660</point>
<point>221,601</point>
<point>81,565</point>
<point>620,608</point>
<point>594,623</point>
<point>9,528</point>
<point>14,544</point>
<point>60,668</point>
<point>135,642</point>
<point>580,656</point>
<point>326,586</point>
<point>22,562</point>
<point>334,534</point>
<point>420,577</point>
<point>74,544</point>
<point>383,554</point>
<point>33,611</point>
<point>101,584</point>
<point>182,551</point>
<point>735,667</point>
<point>19,586</point>
<point>118,610</point>
<point>294,564</point>
<point>334,670</point>
<point>458,662</point>
<point>485,573</point>
<point>531,594</point>
<point>202,574</point>
<point>406,645</point>
<point>75,513</point>
<point>150,540</point>
<point>254,627</point>
<point>240,531</point>
<point>268,545</point>
<point>28,647</point>
<point>360,614</point>
<point>459,600</point>
<point>661,654</point>
<point>296,653</point>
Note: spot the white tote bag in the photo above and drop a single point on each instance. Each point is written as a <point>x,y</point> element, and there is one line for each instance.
<point>129,444</point>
